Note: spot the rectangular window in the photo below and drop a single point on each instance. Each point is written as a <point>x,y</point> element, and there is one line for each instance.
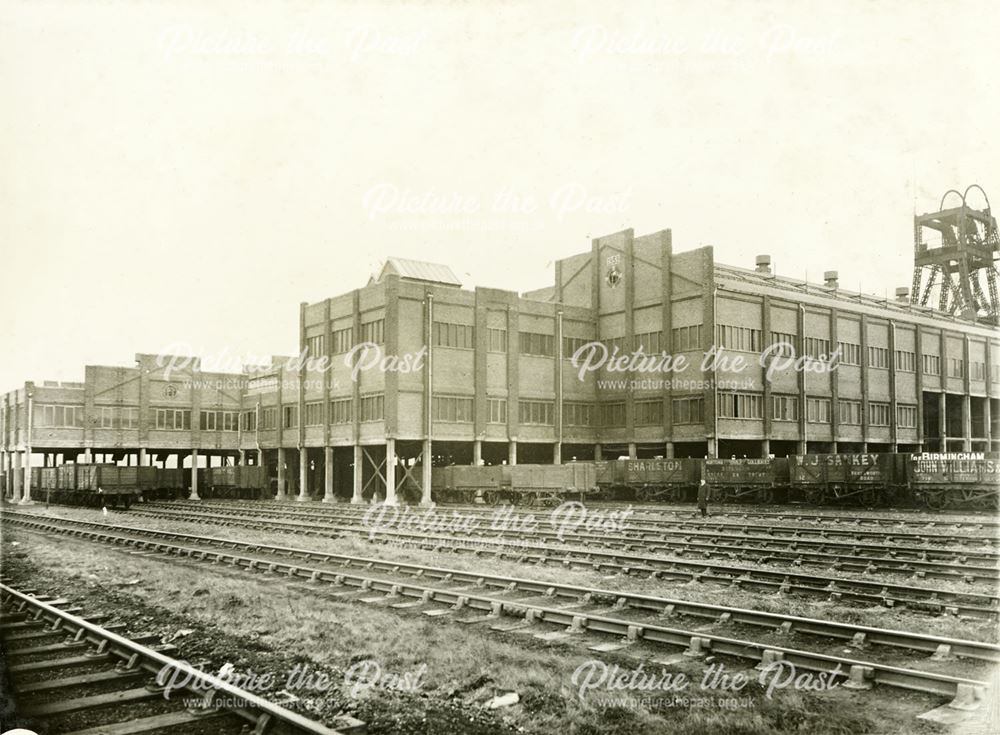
<point>373,331</point>
<point>373,407</point>
<point>977,370</point>
<point>615,343</point>
<point>816,348</point>
<point>956,367</point>
<point>850,412</point>
<point>649,342</point>
<point>533,343</point>
<point>613,414</point>
<point>741,405</point>
<point>117,417</point>
<point>173,419</point>
<point>452,408</point>
<point>785,408</point>
<point>290,417</point>
<point>906,362</point>
<point>249,421</point>
<point>497,410</point>
<point>208,420</point>
<point>850,353</point>
<point>314,414</point>
<point>316,346</point>
<point>460,336</point>
<point>686,339</point>
<point>343,340</point>
<point>536,412</point>
<point>61,416</point>
<point>572,344</point>
<point>932,364</point>
<point>818,410</point>
<point>878,357</point>
<point>341,411</point>
<point>498,339</point>
<point>741,339</point>
<point>269,418</point>
<point>688,410</point>
<point>649,413</point>
<point>229,421</point>
<point>906,417</point>
<point>786,344</point>
<point>578,414</point>
<point>878,413</point>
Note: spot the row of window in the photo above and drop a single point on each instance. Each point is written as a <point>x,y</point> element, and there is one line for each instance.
<point>818,410</point>
<point>218,420</point>
<point>58,416</point>
<point>343,339</point>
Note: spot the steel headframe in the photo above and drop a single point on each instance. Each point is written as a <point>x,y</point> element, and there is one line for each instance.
<point>964,252</point>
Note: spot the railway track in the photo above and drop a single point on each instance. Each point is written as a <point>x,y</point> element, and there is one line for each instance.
<point>840,589</point>
<point>70,675</point>
<point>647,626</point>
<point>637,523</point>
<point>835,556</point>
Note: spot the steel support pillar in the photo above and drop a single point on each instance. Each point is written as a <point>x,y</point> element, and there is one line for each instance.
<point>194,475</point>
<point>328,496</point>
<point>281,474</point>
<point>359,474</point>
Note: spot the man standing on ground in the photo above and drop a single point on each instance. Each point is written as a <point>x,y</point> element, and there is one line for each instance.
<point>703,494</point>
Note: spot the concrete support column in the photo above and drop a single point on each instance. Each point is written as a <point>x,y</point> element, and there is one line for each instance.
<point>942,416</point>
<point>989,423</point>
<point>864,447</point>
<point>359,475</point>
<point>88,456</point>
<point>390,472</point>
<point>631,450</point>
<point>328,496</point>
<point>598,453</point>
<point>765,448</point>
<point>194,475</point>
<point>557,453</point>
<point>512,452</point>
<point>303,475</point>
<point>801,447</point>
<point>17,483</point>
<point>26,495</point>
<point>668,450</point>
<point>966,421</point>
<point>712,446</point>
<point>243,457</point>
<point>425,498</point>
<point>833,449</point>
<point>143,457</point>
<point>260,457</point>
<point>477,452</point>
<point>281,474</point>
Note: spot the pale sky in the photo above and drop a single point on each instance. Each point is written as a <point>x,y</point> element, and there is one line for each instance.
<point>186,173</point>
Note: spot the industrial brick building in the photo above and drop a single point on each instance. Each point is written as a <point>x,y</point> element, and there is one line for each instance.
<point>412,366</point>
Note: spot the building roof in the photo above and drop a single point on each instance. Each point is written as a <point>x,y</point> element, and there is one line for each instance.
<point>418,270</point>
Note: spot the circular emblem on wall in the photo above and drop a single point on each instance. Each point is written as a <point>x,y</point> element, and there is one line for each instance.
<point>614,276</point>
<point>170,390</point>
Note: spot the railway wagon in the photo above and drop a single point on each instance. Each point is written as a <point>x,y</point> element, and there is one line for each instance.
<point>464,483</point>
<point>545,484</point>
<point>754,480</point>
<point>649,479</point>
<point>858,479</point>
<point>968,480</point>
<point>251,481</point>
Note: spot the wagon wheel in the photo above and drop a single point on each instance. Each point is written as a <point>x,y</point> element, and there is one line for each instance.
<point>765,496</point>
<point>527,500</point>
<point>644,494</point>
<point>869,497</point>
<point>934,499</point>
<point>814,496</point>
<point>491,497</point>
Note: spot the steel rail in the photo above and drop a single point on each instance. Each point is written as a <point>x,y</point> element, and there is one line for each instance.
<point>256,710</point>
<point>697,642</point>
<point>827,587</point>
<point>652,525</point>
<point>713,546</point>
